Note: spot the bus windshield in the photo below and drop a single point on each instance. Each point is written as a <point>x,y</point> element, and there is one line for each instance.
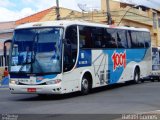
<point>37,50</point>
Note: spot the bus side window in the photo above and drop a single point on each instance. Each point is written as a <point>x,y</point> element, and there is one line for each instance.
<point>121,39</point>
<point>85,37</point>
<point>112,41</point>
<point>129,39</point>
<point>134,39</point>
<point>97,37</point>
<point>107,38</point>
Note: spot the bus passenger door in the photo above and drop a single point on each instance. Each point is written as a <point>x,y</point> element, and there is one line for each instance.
<point>70,48</point>
<point>70,78</point>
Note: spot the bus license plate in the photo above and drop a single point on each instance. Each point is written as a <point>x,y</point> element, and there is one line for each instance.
<point>31,90</point>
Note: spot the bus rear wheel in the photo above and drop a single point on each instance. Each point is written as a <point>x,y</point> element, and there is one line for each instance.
<point>85,88</point>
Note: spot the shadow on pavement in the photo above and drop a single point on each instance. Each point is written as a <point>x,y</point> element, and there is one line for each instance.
<point>72,95</point>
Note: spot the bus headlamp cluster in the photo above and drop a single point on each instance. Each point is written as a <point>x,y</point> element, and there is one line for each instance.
<point>14,82</point>
<point>53,81</point>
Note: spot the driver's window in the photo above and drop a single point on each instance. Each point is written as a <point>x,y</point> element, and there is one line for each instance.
<point>70,48</point>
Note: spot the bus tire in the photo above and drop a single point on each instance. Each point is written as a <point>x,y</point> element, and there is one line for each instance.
<point>85,88</point>
<point>137,76</point>
<point>142,81</point>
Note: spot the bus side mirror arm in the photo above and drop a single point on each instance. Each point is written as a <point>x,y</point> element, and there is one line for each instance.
<point>4,51</point>
<point>64,41</point>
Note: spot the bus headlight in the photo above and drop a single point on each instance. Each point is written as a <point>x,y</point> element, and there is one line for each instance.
<point>14,82</point>
<point>53,81</point>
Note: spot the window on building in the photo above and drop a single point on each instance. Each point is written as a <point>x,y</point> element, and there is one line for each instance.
<point>154,20</point>
<point>159,22</point>
<point>147,39</point>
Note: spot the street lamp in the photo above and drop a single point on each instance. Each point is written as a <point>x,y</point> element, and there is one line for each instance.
<point>126,13</point>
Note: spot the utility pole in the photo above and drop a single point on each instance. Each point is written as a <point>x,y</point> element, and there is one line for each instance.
<point>57,10</point>
<point>109,19</point>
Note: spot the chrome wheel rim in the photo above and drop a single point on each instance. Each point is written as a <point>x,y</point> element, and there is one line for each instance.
<point>136,77</point>
<point>85,84</point>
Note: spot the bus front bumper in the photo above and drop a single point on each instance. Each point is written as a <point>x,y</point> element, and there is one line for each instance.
<point>35,89</point>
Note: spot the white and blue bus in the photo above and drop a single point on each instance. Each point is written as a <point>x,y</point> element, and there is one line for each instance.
<point>60,57</point>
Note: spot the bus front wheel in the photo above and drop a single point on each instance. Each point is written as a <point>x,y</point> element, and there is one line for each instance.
<point>85,86</point>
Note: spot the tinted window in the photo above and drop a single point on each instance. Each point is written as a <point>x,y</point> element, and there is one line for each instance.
<point>107,38</point>
<point>134,39</point>
<point>98,37</point>
<point>111,38</point>
<point>129,38</point>
<point>85,37</point>
<point>121,39</point>
<point>147,39</point>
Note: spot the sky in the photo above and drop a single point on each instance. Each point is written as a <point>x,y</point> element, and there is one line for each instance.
<point>11,10</point>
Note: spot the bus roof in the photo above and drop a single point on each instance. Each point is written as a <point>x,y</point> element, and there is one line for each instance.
<point>65,23</point>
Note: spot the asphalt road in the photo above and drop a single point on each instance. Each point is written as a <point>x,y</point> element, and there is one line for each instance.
<point>117,99</point>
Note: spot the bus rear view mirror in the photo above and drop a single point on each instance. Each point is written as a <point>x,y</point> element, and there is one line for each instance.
<point>4,51</point>
<point>5,47</point>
